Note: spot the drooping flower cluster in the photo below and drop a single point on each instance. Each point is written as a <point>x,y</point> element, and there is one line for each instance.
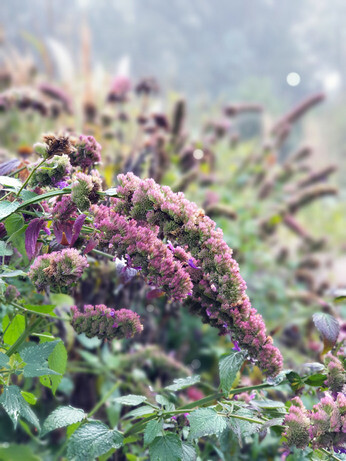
<point>54,172</point>
<point>142,217</point>
<point>87,153</point>
<point>106,323</point>
<point>322,427</point>
<point>57,269</point>
<point>85,190</point>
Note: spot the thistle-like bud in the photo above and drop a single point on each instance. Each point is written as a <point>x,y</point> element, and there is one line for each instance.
<point>57,269</point>
<point>54,172</point>
<point>336,379</point>
<point>297,422</point>
<point>87,153</point>
<point>85,190</point>
<point>106,323</point>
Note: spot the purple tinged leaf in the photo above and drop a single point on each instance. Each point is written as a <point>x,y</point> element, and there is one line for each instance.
<point>31,236</point>
<point>77,227</point>
<point>329,329</point>
<point>90,246</point>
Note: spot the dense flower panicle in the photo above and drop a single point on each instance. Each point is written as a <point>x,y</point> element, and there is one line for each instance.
<point>106,323</point>
<point>336,378</point>
<point>85,189</point>
<point>88,152</point>
<point>218,291</point>
<point>57,269</point>
<point>144,250</point>
<point>64,209</point>
<point>298,423</point>
<point>53,172</point>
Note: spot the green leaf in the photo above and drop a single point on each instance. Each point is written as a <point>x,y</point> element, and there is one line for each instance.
<point>152,430</point>
<point>316,380</point>
<point>11,183</point>
<point>32,370</point>
<point>229,366</point>
<point>7,208</point>
<point>18,241</point>
<point>62,417</point>
<point>57,361</point>
<point>112,192</point>
<point>205,421</point>
<point>13,223</point>
<point>61,300</point>
<point>16,273</point>
<point>167,448</point>
<point>4,251</point>
<point>29,397</point>
<point>189,453</point>
<point>92,440</point>
<point>182,383</point>
<point>42,309</point>
<point>295,380</point>
<point>16,452</point>
<point>36,357</point>
<point>329,329</point>
<point>4,360</point>
<point>131,399</point>
<point>15,406</point>
<point>36,353</point>
<point>243,428</point>
<point>141,411</point>
<point>15,329</point>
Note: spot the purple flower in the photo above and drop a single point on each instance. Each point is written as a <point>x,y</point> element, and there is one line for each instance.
<point>236,346</point>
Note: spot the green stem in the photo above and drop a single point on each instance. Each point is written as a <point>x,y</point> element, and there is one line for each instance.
<point>29,177</point>
<point>41,314</point>
<point>29,329</point>
<point>104,399</point>
<point>6,195</point>
<point>102,253</point>
<point>326,452</point>
<point>17,171</point>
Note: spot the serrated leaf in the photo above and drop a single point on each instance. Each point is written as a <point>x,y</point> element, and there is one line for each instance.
<point>36,353</point>
<point>205,421</point>
<point>15,406</point>
<point>276,380</point>
<point>131,399</point>
<point>229,366</point>
<point>161,400</point>
<point>62,417</point>
<point>3,360</point>
<point>14,330</point>
<point>152,430</point>
<point>329,329</point>
<point>92,440</point>
<point>189,452</point>
<point>295,380</point>
<point>182,383</point>
<point>168,448</point>
<point>141,411</point>
<point>32,370</point>
<point>243,428</point>
<point>29,397</point>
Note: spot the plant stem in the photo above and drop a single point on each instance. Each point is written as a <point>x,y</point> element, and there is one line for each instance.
<point>104,399</point>
<point>326,452</point>
<point>102,253</point>
<point>17,171</point>
<point>29,177</point>
<point>29,329</point>
<point>41,314</point>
